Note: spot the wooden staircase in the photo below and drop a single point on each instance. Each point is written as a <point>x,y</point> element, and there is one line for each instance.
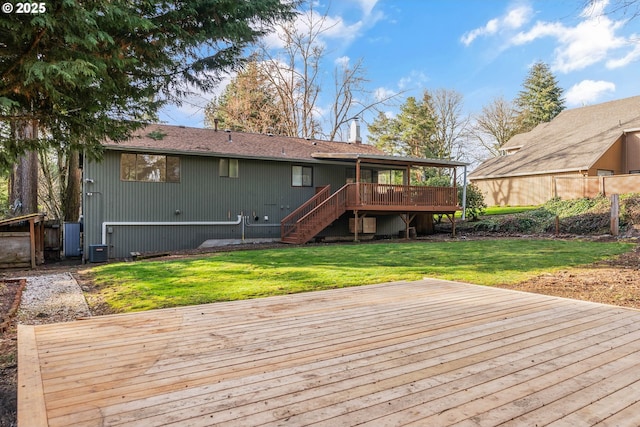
<point>313,216</point>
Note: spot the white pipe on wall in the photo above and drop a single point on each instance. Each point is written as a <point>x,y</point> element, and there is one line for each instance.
<point>143,223</point>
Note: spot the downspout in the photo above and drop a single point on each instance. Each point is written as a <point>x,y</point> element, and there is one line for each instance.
<point>163,223</point>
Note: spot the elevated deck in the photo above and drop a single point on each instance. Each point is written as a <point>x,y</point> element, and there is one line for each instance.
<point>401,198</point>
<point>428,353</point>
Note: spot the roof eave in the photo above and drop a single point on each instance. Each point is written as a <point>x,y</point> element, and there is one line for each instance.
<point>376,158</point>
<point>205,153</point>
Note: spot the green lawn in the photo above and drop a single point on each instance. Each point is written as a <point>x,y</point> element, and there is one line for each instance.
<point>504,210</point>
<point>257,273</point>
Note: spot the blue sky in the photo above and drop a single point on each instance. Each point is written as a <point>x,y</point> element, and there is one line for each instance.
<point>480,48</point>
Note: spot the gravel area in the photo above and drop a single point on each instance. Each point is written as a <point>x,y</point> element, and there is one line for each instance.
<point>52,298</point>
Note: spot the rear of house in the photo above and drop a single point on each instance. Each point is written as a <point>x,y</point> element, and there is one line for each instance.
<point>171,188</point>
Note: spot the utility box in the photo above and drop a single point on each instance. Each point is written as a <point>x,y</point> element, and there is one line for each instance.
<point>366,225</point>
<point>71,245</point>
<point>98,253</point>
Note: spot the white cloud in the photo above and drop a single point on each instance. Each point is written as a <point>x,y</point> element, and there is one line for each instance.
<point>367,6</point>
<point>415,79</point>
<point>342,61</point>
<point>330,27</point>
<point>591,41</point>
<point>382,93</point>
<point>588,92</point>
<point>514,18</point>
<point>594,39</point>
<point>628,58</point>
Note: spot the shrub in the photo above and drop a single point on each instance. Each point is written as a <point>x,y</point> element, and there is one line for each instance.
<point>475,201</point>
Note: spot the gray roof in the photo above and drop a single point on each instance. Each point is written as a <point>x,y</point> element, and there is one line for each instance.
<point>573,141</point>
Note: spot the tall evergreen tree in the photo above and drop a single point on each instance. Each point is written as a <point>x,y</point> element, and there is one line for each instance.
<point>384,134</point>
<point>410,133</point>
<point>82,72</point>
<point>247,104</point>
<point>541,98</point>
<point>86,71</point>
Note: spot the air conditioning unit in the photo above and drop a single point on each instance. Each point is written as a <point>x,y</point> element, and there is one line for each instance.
<point>98,253</point>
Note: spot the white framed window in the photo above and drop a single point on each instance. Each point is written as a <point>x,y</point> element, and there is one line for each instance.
<point>301,176</point>
<point>149,167</point>
<point>229,168</point>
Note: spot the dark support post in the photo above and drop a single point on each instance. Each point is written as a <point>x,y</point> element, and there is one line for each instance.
<point>407,218</point>
<point>355,213</point>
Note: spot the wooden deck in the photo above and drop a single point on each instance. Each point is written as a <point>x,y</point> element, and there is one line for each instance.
<point>426,353</point>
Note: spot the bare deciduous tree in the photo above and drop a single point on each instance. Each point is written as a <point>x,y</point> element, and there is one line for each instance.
<point>496,124</point>
<point>452,126</point>
<point>295,75</point>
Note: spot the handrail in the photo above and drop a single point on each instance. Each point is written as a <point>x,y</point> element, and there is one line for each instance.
<point>402,195</point>
<point>322,209</point>
<point>318,218</point>
<point>288,223</point>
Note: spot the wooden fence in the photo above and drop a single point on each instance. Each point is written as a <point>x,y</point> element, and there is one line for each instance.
<point>570,187</point>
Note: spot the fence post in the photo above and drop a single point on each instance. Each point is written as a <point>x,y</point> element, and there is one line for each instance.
<point>615,209</point>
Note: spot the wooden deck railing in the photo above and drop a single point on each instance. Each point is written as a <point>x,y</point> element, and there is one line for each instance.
<point>316,219</point>
<point>386,195</point>
<point>289,223</point>
<point>321,210</point>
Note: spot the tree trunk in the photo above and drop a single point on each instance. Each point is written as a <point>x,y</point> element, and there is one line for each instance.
<point>24,179</point>
<point>73,188</point>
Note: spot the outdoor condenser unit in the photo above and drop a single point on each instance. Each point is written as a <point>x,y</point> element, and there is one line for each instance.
<point>98,253</point>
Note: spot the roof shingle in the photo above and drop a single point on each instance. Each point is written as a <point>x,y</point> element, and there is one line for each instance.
<point>209,142</point>
<point>573,141</point>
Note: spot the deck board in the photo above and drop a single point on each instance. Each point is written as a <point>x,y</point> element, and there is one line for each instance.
<point>429,352</point>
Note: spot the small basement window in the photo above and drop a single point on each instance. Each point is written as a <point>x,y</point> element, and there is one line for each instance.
<point>149,167</point>
<point>229,168</point>
<point>301,176</point>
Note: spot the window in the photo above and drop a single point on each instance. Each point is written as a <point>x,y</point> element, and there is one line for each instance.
<point>604,172</point>
<point>301,176</point>
<point>229,168</point>
<point>149,168</point>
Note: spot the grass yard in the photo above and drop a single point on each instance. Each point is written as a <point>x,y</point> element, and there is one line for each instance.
<point>258,273</point>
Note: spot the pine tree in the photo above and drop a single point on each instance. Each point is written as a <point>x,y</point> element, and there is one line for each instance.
<point>247,104</point>
<point>541,99</point>
<point>384,134</point>
<point>86,71</point>
<point>82,72</point>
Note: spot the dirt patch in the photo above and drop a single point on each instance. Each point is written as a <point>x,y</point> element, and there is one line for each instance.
<point>615,281</point>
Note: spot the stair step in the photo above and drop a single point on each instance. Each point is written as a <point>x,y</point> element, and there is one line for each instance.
<point>303,232</point>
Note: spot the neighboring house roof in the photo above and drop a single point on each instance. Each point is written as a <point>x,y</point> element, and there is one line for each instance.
<point>209,142</point>
<point>573,141</point>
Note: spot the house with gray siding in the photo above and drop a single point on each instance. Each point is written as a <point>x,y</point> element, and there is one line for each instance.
<point>172,188</point>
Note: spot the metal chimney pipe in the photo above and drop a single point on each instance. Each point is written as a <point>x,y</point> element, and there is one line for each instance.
<point>354,134</point>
